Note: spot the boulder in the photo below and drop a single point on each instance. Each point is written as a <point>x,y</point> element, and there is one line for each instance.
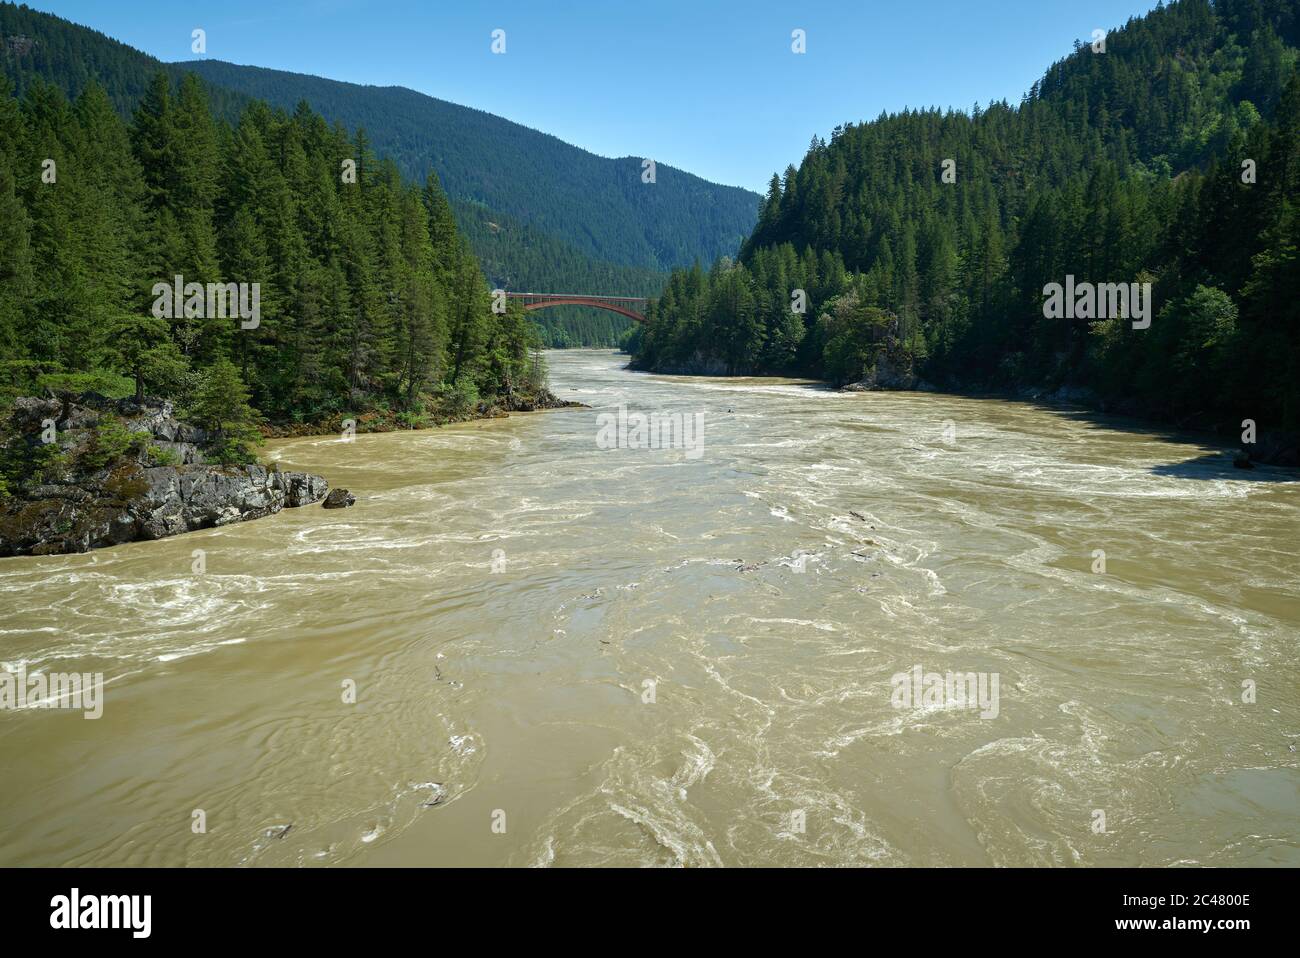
<point>339,499</point>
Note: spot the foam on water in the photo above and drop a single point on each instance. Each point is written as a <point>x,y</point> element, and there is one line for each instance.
<point>650,679</point>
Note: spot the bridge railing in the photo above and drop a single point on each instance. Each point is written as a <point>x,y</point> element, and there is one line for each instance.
<point>599,296</point>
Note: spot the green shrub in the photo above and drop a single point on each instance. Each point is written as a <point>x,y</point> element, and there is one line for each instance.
<point>157,456</point>
<point>111,442</point>
<point>221,406</point>
<point>411,420</point>
<point>459,399</point>
<point>49,462</point>
<point>102,381</point>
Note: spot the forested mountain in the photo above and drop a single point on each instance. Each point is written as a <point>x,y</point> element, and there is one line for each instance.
<point>1171,157</point>
<point>351,291</point>
<point>517,256</point>
<point>36,46</point>
<point>597,205</point>
<point>565,219</point>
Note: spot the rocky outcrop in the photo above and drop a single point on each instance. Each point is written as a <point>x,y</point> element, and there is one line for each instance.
<point>158,485</point>
<point>19,45</point>
<point>889,374</point>
<point>153,417</point>
<point>131,502</point>
<point>543,399</point>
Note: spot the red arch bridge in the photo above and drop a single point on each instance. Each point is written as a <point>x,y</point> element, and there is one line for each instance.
<point>633,307</point>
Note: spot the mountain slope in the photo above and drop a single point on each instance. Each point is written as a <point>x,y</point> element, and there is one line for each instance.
<point>571,201</point>
<point>40,46</point>
<point>597,205</point>
<point>297,290</point>
<point>1171,158</point>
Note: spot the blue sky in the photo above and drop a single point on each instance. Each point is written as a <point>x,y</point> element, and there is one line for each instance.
<point>708,86</point>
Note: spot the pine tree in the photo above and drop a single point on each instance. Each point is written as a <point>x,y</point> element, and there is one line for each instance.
<point>221,406</point>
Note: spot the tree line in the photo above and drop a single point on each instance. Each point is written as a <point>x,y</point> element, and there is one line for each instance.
<point>1171,157</point>
<point>369,296</point>
<point>541,215</point>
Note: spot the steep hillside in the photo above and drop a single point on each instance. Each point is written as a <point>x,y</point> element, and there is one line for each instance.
<point>538,213</point>
<point>569,219</point>
<point>597,205</point>
<point>38,46</point>
<point>228,268</point>
<point>928,239</point>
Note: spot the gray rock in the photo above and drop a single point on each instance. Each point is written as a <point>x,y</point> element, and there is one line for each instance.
<point>130,503</point>
<point>188,453</point>
<point>30,411</point>
<point>339,499</point>
<point>69,510</point>
<point>886,374</point>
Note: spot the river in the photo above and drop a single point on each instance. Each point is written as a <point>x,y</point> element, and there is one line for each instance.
<point>563,654</point>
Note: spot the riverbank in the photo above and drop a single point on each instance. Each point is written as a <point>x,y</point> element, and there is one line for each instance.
<point>387,420</point>
<point>90,472</point>
<point>1268,447</point>
<point>96,472</point>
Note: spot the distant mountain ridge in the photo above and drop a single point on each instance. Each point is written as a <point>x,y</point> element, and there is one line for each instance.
<point>538,212</point>
<point>596,204</point>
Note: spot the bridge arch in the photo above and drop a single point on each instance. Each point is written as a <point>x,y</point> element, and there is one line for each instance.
<point>633,307</point>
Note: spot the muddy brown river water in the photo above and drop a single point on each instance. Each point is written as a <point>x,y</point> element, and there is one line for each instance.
<point>564,654</point>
